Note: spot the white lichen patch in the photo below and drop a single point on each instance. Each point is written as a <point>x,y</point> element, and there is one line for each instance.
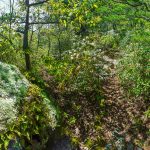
<point>52,112</point>
<point>7,111</point>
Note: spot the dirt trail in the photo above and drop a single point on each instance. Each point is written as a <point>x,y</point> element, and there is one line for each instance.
<point>90,123</point>
<point>117,113</point>
<point>123,113</point>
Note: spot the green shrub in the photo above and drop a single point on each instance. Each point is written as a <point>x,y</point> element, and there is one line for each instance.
<point>134,70</point>
<point>147,113</point>
<point>34,122</point>
<point>109,41</point>
<point>81,70</point>
<point>10,49</point>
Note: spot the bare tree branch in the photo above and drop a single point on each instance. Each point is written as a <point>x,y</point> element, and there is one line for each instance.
<point>38,3</point>
<point>49,22</point>
<point>40,22</point>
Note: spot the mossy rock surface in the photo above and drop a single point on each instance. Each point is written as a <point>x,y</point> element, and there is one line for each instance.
<point>13,86</point>
<point>13,89</point>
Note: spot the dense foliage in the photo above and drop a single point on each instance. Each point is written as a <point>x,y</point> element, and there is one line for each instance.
<point>72,50</point>
<point>32,123</point>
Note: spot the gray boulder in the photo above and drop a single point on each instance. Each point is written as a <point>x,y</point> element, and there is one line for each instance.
<point>13,87</point>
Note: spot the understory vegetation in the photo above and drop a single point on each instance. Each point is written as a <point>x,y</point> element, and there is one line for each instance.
<point>88,69</point>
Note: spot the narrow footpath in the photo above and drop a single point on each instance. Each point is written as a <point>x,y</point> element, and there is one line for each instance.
<point>121,126</point>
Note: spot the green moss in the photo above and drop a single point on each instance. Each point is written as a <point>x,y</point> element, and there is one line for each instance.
<point>23,91</point>
<point>12,67</point>
<point>16,77</point>
<point>4,77</point>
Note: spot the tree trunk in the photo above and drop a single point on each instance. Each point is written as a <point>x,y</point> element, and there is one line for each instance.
<point>49,44</point>
<point>25,38</point>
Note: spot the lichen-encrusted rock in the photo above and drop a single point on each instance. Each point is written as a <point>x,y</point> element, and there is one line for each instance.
<point>13,86</point>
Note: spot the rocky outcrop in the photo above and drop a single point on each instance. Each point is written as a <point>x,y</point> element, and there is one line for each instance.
<point>13,86</point>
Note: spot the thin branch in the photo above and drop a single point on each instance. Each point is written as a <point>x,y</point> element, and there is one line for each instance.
<point>38,3</point>
<point>41,22</point>
<point>49,22</point>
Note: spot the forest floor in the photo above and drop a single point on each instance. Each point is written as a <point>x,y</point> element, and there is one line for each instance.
<point>121,118</point>
<point>124,115</point>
